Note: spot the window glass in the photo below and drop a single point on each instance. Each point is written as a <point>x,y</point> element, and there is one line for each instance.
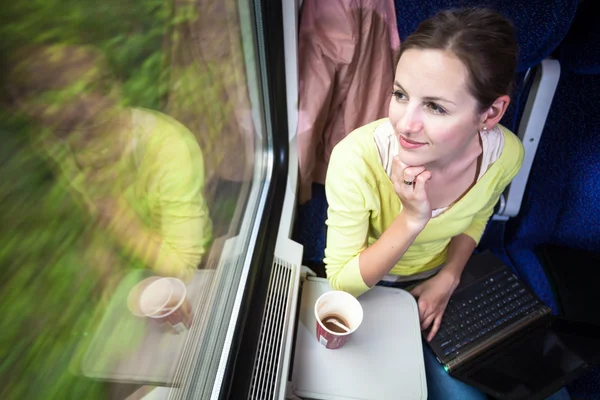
<point>133,165</point>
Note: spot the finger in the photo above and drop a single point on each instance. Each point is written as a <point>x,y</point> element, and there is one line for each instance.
<point>405,171</point>
<point>436,327</point>
<point>398,166</point>
<point>428,314</point>
<point>411,173</point>
<point>424,309</point>
<point>399,163</point>
<point>427,321</point>
<point>421,182</point>
<point>416,291</point>
<point>398,170</point>
<point>421,310</point>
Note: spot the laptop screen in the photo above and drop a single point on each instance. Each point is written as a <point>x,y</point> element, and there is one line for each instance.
<point>533,367</point>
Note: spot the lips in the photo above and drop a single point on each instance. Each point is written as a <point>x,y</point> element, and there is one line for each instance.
<point>410,144</point>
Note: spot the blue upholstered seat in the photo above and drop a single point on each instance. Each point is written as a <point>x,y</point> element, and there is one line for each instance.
<point>554,244</point>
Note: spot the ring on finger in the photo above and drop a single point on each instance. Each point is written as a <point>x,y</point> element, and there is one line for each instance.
<point>409,183</point>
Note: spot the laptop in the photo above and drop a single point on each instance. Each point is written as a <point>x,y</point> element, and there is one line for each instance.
<point>499,337</point>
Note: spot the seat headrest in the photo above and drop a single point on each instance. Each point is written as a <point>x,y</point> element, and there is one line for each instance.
<point>540,24</point>
<point>580,51</point>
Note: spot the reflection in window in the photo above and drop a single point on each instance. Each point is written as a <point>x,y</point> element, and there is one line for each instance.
<point>127,157</point>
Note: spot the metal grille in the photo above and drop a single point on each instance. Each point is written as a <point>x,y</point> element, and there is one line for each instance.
<point>197,368</point>
<point>267,372</point>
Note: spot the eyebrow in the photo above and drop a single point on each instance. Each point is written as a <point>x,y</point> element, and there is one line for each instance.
<point>427,98</point>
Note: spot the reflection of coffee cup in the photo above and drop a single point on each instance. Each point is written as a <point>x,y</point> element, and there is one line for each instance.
<point>338,315</point>
<point>164,301</point>
<point>135,294</point>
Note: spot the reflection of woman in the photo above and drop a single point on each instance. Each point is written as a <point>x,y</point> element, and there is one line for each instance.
<point>410,195</point>
<point>139,172</point>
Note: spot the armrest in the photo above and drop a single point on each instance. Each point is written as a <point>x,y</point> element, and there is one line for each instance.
<point>530,131</point>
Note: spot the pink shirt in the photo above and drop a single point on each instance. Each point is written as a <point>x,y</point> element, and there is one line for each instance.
<point>346,70</point>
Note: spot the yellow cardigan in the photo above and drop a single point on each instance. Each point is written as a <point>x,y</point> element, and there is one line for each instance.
<point>363,203</point>
<point>167,192</point>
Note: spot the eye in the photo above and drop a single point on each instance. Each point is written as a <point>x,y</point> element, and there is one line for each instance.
<point>436,109</point>
<point>399,95</point>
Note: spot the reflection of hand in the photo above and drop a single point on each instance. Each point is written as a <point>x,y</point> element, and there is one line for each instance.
<point>432,298</point>
<point>107,181</point>
<point>415,201</point>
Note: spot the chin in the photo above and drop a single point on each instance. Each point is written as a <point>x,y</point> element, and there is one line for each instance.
<point>411,159</point>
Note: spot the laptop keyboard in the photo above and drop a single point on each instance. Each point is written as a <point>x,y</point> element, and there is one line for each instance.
<point>480,311</point>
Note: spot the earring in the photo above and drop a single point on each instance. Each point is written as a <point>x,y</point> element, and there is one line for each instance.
<point>484,128</point>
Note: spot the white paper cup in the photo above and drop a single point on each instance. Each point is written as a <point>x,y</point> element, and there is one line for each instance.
<point>341,305</point>
<point>135,294</point>
<point>165,302</point>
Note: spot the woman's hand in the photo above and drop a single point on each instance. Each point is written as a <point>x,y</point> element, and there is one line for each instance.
<point>432,298</point>
<point>415,200</point>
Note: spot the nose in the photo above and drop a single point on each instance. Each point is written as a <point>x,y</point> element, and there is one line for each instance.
<point>411,121</point>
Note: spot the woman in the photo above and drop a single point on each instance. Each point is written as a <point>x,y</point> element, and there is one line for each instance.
<point>410,195</point>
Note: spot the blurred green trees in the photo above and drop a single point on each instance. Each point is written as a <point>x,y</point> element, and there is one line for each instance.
<point>130,33</point>
<point>48,292</point>
<point>182,57</point>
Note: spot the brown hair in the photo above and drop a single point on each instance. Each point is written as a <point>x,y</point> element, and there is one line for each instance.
<point>482,39</point>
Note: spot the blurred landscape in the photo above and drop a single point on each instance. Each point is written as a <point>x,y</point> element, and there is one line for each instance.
<point>183,58</point>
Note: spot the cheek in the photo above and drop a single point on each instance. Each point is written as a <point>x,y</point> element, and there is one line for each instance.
<point>394,111</point>
<point>443,135</point>
<point>449,130</point>
<point>391,109</point>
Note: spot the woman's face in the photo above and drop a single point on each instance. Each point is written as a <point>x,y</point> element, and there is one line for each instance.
<point>432,112</point>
